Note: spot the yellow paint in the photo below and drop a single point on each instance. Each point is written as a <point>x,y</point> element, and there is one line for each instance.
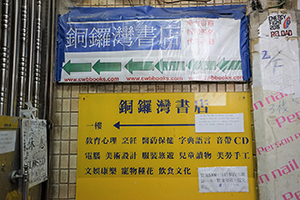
<point>8,122</point>
<point>103,109</point>
<point>215,99</point>
<point>14,195</point>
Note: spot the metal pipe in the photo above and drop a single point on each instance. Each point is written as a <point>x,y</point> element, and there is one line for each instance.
<point>14,60</point>
<point>52,58</point>
<point>31,50</point>
<point>0,20</point>
<point>23,58</point>
<point>38,51</point>
<point>25,182</point>
<point>5,42</point>
<point>51,36</point>
<point>45,57</point>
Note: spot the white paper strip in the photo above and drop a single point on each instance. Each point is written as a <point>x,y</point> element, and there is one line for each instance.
<point>7,141</point>
<point>223,179</point>
<point>219,123</point>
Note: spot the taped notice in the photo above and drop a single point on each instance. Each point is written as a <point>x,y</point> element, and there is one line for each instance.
<point>34,137</point>
<point>223,179</point>
<point>7,141</point>
<point>219,123</point>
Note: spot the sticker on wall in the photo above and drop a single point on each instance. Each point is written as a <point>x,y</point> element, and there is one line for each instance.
<point>278,25</point>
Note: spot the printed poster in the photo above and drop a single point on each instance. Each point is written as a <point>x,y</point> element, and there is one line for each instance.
<point>159,45</point>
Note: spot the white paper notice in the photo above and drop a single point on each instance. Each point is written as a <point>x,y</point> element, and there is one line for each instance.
<point>220,123</point>
<point>279,65</point>
<point>7,141</point>
<point>34,135</point>
<point>223,179</point>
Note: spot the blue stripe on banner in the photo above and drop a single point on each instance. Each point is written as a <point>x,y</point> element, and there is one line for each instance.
<point>147,12</point>
<point>244,49</point>
<point>61,45</point>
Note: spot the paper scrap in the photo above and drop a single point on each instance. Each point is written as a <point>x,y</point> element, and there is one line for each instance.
<point>7,141</point>
<point>279,64</point>
<point>223,179</point>
<point>219,123</point>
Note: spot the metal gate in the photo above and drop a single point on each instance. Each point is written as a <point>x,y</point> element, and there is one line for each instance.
<point>25,52</point>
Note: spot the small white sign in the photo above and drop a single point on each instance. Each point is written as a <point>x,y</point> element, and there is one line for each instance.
<point>279,65</point>
<point>278,25</point>
<point>219,123</point>
<point>223,179</point>
<point>7,141</point>
<point>34,150</point>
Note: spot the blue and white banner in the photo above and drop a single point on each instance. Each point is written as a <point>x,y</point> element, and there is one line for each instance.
<point>153,44</point>
<point>124,36</point>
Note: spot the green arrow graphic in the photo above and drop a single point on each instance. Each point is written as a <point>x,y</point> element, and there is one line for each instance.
<point>77,67</point>
<point>169,66</point>
<point>201,65</point>
<point>139,66</point>
<point>106,67</point>
<point>229,65</point>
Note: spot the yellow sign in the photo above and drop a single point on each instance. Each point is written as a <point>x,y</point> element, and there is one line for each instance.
<point>7,122</point>
<point>165,146</point>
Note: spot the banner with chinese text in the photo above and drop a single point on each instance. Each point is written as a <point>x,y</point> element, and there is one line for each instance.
<point>154,145</point>
<point>153,44</point>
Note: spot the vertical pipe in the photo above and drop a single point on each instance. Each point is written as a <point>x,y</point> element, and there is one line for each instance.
<point>0,20</point>
<point>52,38</point>
<point>25,182</point>
<point>14,59</point>
<point>5,42</point>
<point>23,57</point>
<point>38,51</point>
<point>46,18</point>
<point>31,49</point>
<point>52,58</point>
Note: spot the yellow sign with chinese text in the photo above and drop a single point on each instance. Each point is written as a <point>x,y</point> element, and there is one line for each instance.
<point>156,145</point>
